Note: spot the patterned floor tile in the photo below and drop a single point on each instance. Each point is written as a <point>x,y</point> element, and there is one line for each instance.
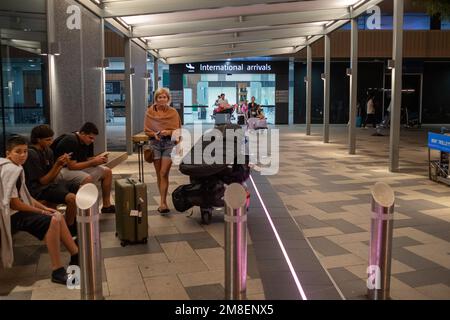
<point>206,292</point>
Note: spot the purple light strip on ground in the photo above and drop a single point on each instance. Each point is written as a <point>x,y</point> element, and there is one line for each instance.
<point>294,274</point>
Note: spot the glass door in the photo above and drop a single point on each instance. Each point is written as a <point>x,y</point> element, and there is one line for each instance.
<point>23,68</point>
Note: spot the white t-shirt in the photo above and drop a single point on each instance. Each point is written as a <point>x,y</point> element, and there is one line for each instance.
<point>370,107</point>
<point>223,102</point>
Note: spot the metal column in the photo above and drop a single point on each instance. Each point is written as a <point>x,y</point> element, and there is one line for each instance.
<point>308,89</point>
<point>326,91</point>
<point>90,249</point>
<point>156,74</point>
<point>128,98</point>
<point>291,90</point>
<point>382,226</point>
<point>103,143</point>
<point>235,242</point>
<point>396,93</point>
<point>51,33</point>
<point>353,87</point>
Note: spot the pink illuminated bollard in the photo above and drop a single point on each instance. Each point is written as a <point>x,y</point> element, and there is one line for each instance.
<point>382,223</point>
<point>235,242</point>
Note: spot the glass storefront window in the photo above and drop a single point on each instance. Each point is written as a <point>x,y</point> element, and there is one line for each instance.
<point>115,98</point>
<point>23,68</point>
<point>115,104</point>
<point>202,90</point>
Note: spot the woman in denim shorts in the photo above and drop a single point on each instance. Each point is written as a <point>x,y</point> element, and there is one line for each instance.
<point>161,121</point>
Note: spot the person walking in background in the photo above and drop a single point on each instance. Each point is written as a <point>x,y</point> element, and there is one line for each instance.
<point>161,121</point>
<point>370,118</point>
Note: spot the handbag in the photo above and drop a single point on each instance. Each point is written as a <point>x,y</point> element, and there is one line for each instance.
<point>149,155</point>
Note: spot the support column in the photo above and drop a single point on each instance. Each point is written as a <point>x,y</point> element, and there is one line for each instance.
<point>353,87</point>
<point>103,87</point>
<point>396,93</point>
<point>51,65</point>
<point>326,91</point>
<point>128,98</point>
<point>308,89</point>
<point>291,91</point>
<point>156,74</point>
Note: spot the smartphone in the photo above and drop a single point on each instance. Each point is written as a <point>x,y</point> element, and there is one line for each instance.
<point>106,154</point>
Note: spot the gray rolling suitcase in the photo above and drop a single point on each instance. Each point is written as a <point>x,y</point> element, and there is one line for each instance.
<point>131,211</point>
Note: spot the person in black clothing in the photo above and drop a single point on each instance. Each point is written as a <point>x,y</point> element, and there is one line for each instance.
<point>84,167</point>
<point>42,172</point>
<point>27,214</point>
<point>254,110</point>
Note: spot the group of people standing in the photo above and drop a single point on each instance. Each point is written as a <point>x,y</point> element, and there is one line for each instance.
<point>250,110</point>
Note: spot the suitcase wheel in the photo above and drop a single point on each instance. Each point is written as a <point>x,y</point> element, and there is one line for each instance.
<point>117,234</point>
<point>206,215</point>
<point>123,243</point>
<point>144,241</point>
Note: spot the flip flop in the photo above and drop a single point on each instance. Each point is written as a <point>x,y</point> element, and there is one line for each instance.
<point>163,210</point>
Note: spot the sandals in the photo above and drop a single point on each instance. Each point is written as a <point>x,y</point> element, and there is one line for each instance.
<point>162,211</point>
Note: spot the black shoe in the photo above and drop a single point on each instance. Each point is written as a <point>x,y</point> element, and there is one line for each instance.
<point>59,276</point>
<point>163,212</point>
<point>74,260</point>
<point>110,209</point>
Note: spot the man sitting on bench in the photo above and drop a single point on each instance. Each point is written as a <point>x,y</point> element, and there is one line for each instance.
<point>83,167</point>
<point>42,172</point>
<point>19,211</point>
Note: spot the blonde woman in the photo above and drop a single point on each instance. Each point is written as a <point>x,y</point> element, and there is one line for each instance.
<point>161,121</point>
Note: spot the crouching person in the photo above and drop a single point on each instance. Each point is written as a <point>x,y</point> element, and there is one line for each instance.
<point>21,212</point>
<point>42,170</point>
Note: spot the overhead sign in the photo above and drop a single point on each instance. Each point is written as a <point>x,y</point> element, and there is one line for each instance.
<point>229,67</point>
<point>439,141</point>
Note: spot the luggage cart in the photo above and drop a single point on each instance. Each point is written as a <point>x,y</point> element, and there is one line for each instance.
<point>438,169</point>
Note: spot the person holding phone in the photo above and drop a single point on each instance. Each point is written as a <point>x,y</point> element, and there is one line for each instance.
<point>161,121</point>
<point>42,170</point>
<point>83,167</point>
<point>19,211</point>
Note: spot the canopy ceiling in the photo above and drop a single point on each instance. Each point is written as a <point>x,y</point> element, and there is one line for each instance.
<point>183,31</point>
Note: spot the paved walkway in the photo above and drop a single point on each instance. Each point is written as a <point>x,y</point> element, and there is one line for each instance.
<point>319,199</point>
<point>327,191</point>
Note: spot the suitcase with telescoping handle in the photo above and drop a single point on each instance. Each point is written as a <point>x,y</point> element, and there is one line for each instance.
<point>131,211</point>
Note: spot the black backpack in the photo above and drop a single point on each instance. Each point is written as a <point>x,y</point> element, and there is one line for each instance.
<point>207,194</point>
<point>55,143</point>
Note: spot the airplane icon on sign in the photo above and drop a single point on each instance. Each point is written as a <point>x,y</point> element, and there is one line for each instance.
<point>190,66</point>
